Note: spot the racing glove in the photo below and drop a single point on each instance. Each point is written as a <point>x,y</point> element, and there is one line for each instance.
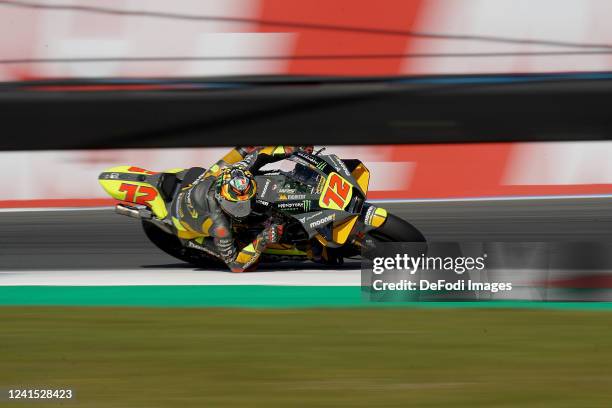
<point>247,258</point>
<point>308,149</point>
<point>272,234</point>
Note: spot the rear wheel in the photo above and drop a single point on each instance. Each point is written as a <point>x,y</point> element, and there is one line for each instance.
<point>172,245</point>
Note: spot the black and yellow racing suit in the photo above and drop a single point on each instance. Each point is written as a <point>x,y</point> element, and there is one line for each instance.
<point>197,209</point>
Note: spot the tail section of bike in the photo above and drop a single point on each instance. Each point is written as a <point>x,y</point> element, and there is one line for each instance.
<point>134,185</point>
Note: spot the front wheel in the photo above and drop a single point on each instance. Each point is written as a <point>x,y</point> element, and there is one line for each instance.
<point>396,229</point>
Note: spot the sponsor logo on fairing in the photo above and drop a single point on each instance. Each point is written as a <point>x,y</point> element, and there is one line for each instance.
<point>320,185</point>
<point>307,157</point>
<point>369,214</point>
<point>295,205</point>
<point>316,163</point>
<point>322,221</point>
<point>339,164</point>
<point>296,196</point>
<point>301,161</point>
<point>310,217</point>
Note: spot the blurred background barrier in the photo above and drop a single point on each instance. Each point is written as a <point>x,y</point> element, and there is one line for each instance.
<point>62,114</point>
<point>190,38</point>
<point>163,57</point>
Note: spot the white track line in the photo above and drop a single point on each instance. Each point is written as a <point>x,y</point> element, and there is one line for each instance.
<point>180,277</point>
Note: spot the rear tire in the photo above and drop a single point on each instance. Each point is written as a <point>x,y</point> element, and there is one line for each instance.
<point>173,246</point>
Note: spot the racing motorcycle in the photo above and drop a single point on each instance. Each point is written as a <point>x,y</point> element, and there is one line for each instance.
<point>321,200</point>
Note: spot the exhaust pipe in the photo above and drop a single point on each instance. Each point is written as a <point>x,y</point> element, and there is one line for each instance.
<point>143,214</point>
<point>133,212</point>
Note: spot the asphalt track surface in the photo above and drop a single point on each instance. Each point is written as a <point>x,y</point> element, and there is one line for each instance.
<point>99,239</point>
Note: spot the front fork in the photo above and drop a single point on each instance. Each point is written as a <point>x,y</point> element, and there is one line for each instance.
<point>371,218</point>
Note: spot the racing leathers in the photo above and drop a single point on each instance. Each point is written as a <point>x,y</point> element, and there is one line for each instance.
<point>198,209</point>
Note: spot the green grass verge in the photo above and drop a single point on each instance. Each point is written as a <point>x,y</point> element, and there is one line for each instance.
<point>249,296</point>
<point>135,357</point>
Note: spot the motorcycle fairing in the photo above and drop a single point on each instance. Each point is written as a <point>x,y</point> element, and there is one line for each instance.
<point>332,213</point>
<point>137,186</point>
<point>327,164</point>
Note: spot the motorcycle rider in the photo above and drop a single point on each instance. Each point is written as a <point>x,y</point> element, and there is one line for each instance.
<point>223,194</point>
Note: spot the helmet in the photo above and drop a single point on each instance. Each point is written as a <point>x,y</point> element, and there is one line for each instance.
<point>236,189</point>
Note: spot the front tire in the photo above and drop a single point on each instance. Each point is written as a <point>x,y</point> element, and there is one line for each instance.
<point>396,229</point>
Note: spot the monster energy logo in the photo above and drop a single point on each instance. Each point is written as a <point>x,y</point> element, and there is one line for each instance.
<point>307,205</point>
<point>321,165</point>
